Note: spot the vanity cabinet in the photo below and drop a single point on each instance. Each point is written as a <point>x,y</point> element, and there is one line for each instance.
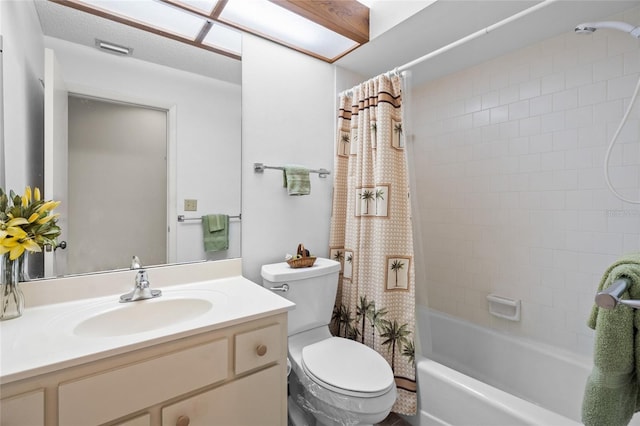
<point>255,404</point>
<point>231,376</point>
<point>23,409</point>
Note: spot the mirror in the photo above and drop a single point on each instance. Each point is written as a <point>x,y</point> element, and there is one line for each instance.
<point>199,94</point>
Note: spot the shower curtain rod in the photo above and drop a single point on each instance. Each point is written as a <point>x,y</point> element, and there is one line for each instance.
<point>475,35</point>
<point>467,38</point>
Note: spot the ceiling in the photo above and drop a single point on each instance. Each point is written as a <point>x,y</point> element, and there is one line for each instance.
<point>445,21</point>
<point>440,23</point>
<point>83,28</point>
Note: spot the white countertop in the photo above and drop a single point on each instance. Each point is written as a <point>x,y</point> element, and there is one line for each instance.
<point>43,339</point>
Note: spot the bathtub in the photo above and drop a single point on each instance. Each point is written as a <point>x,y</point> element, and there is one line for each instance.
<point>472,375</point>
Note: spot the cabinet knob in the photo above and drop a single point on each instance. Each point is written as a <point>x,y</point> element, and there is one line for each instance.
<point>183,421</point>
<point>261,350</point>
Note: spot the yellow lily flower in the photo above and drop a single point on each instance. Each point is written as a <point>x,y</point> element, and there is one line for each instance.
<point>12,227</point>
<point>31,245</point>
<point>47,218</point>
<point>48,206</point>
<point>16,232</point>
<point>19,234</point>
<point>17,221</point>
<point>16,252</point>
<point>16,247</point>
<point>10,242</point>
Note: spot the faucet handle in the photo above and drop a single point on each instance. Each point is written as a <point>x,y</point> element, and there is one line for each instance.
<point>135,263</point>
<point>141,279</point>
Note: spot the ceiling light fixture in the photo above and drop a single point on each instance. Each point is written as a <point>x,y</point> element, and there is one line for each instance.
<point>114,48</point>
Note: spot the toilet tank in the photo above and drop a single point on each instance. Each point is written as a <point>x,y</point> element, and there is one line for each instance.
<point>312,289</point>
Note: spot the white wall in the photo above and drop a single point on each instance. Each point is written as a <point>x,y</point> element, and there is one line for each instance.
<point>23,63</point>
<point>288,109</point>
<point>208,130</point>
<point>512,199</point>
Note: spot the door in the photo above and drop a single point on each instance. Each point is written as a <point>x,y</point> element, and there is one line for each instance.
<point>117,169</point>
<point>55,155</point>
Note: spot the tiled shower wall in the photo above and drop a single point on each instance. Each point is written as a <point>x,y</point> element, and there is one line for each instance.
<point>511,195</point>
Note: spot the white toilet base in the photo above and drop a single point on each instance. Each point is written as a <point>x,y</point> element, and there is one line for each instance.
<point>305,409</point>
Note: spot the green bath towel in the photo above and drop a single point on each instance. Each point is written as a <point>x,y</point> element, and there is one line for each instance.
<point>215,232</point>
<point>296,180</point>
<point>612,390</point>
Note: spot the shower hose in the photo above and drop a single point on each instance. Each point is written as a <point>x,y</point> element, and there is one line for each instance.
<point>613,142</point>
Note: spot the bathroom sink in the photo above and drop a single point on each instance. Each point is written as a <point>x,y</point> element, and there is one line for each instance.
<point>142,316</point>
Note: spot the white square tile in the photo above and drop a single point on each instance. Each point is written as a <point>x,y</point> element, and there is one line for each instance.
<point>490,99</point>
<point>541,143</point>
<point>509,94</point>
<point>499,114</point>
<point>567,99</point>
<point>481,118</point>
<point>518,146</point>
<point>590,178</point>
<point>529,89</point>
<point>519,110</point>
<point>541,105</point>
<point>530,126</point>
<point>578,76</point>
<point>579,117</point>
<point>632,62</point>
<point>552,122</point>
<point>622,87</point>
<point>592,93</point>
<point>608,68</point>
<point>554,160</point>
<point>552,83</point>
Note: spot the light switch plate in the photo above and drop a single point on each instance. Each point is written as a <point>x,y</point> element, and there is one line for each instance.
<point>190,205</point>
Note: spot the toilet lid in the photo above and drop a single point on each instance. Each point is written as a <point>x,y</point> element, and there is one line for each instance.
<point>347,367</point>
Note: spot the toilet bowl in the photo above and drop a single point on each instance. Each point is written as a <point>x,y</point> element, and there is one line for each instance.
<point>343,382</point>
<point>333,381</point>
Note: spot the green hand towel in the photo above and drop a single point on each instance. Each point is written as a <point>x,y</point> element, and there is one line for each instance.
<point>215,232</point>
<point>612,390</point>
<point>296,180</point>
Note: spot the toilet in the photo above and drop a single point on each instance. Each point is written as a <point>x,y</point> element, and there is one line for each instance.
<point>333,381</point>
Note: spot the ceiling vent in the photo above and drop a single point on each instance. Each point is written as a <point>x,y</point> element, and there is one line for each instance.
<point>113,48</point>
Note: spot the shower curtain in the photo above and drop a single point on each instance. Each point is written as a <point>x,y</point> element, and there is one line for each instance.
<point>371,233</point>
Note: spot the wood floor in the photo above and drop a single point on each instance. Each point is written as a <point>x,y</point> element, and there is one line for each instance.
<point>393,420</point>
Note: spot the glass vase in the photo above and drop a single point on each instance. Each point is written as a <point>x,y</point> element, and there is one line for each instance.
<point>11,297</point>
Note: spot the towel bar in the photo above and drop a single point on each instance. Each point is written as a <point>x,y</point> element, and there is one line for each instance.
<point>609,298</point>
<point>260,167</point>
<point>181,218</point>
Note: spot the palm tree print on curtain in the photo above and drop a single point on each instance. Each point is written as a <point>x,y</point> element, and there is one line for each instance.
<point>371,231</point>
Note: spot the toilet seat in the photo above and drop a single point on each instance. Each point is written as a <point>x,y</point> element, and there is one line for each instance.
<point>347,367</point>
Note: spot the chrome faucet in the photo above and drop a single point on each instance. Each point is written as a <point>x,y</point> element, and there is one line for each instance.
<point>141,290</point>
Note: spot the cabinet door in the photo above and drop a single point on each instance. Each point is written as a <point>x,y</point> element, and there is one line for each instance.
<point>25,409</point>
<point>250,401</point>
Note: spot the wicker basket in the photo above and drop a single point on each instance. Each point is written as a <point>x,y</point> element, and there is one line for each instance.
<point>303,262</point>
